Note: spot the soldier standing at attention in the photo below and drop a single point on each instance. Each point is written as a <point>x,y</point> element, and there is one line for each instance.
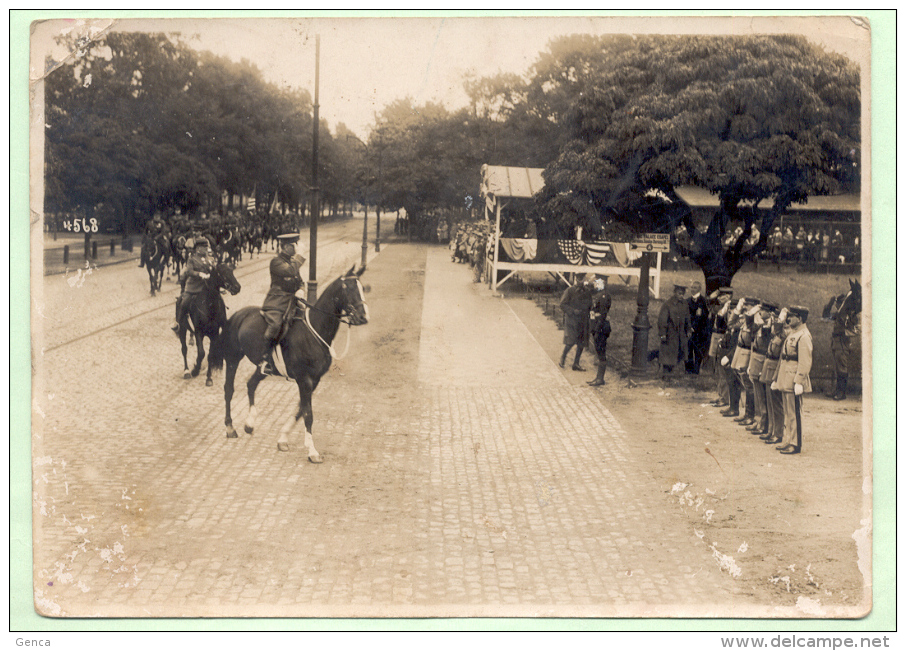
<point>698,335</point>
<point>760,341</point>
<point>600,327</point>
<point>793,378</point>
<point>286,280</point>
<point>774,398</point>
<point>720,305</point>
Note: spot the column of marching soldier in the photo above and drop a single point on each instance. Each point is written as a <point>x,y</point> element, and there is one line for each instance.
<point>764,354</point>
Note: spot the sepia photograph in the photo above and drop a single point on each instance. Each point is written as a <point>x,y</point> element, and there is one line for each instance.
<point>434,316</point>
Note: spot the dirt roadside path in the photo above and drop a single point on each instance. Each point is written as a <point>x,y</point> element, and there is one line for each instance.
<point>799,527</point>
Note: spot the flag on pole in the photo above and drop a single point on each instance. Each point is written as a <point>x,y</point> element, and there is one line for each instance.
<point>252,201</point>
<point>274,202</point>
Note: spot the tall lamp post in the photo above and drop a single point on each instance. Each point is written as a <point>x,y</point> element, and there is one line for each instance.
<point>351,136</point>
<point>377,234</point>
<point>641,325</point>
<point>315,199</point>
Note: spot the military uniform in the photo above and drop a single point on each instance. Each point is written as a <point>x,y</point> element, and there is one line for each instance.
<point>718,327</point>
<point>760,343</point>
<point>576,305</point>
<point>698,337</point>
<point>773,397</point>
<point>600,329</point>
<point>727,352</point>
<point>286,280</point>
<point>198,270</point>
<point>793,372</point>
<point>741,358</point>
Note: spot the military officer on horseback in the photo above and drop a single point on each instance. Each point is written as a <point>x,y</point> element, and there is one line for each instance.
<point>286,280</point>
<point>198,270</point>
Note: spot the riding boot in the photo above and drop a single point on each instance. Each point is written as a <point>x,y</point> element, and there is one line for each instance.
<point>576,365</point>
<point>599,378</point>
<point>563,356</point>
<point>180,312</point>
<point>840,393</point>
<point>267,366</point>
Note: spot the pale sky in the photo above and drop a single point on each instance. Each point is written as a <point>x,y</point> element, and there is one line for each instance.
<point>366,63</point>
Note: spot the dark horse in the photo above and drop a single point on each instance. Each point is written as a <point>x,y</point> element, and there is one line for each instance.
<point>845,311</point>
<point>155,255</point>
<point>305,346</point>
<point>207,314</point>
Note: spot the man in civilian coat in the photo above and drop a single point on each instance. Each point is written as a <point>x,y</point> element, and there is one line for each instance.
<point>673,326</point>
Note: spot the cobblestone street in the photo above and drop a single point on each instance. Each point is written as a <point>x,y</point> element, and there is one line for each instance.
<point>474,481</point>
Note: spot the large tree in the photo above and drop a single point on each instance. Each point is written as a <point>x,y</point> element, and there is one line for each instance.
<point>755,120</point>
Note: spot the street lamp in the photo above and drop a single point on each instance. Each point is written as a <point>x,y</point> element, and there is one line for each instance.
<point>365,203</point>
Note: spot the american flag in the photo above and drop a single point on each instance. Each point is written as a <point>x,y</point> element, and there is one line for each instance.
<point>573,250</point>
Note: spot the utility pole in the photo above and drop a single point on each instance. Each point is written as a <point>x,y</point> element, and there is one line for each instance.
<point>315,199</point>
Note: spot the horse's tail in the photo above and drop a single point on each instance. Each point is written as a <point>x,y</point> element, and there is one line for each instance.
<point>215,354</point>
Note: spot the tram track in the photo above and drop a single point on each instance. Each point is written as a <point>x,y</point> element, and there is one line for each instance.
<point>245,271</point>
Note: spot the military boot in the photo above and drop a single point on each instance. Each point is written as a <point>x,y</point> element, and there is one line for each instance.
<point>840,393</point>
<point>599,378</point>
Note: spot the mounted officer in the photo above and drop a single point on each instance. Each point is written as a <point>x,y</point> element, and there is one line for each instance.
<point>198,270</point>
<point>155,228</point>
<point>286,280</point>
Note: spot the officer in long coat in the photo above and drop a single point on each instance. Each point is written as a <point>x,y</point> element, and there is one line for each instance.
<point>673,325</point>
<point>286,280</point>
<point>576,305</point>
<point>793,378</point>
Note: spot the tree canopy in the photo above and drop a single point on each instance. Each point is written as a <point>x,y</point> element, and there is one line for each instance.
<point>748,118</point>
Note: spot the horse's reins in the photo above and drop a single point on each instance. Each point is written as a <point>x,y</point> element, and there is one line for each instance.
<point>333,354</point>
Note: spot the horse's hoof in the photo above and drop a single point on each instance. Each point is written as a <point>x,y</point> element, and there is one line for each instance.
<point>250,430</point>
<point>194,372</point>
<point>209,382</point>
<point>283,447</point>
<point>315,458</point>
<point>186,376</point>
<point>231,434</point>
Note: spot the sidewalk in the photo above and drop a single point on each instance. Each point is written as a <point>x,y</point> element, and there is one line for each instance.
<point>109,251</point>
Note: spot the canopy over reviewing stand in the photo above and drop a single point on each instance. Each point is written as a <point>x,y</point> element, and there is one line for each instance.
<point>499,183</point>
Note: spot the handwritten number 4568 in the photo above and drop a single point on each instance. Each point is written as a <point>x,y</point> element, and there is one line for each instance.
<point>82,225</point>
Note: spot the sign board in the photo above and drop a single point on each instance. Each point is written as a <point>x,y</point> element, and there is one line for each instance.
<point>651,242</point>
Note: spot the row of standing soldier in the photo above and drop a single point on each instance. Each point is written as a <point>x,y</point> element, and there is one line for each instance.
<point>764,353</point>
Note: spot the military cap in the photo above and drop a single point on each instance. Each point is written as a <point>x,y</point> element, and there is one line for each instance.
<point>725,290</point>
<point>798,310</point>
<point>750,301</point>
<point>770,307</point>
<point>288,238</point>
<point>677,286</point>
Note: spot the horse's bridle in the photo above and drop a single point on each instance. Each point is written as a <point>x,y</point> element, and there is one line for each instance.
<point>344,315</point>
